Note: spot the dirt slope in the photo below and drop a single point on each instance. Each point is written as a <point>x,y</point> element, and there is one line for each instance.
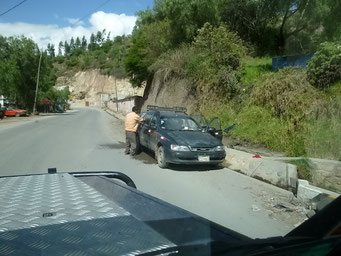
<point>173,92</point>
<point>89,85</point>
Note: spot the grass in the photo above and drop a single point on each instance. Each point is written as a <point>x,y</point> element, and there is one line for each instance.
<point>334,91</point>
<point>303,168</point>
<point>255,67</point>
<point>323,138</point>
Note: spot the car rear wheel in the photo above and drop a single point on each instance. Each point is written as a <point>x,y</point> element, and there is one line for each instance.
<point>161,161</point>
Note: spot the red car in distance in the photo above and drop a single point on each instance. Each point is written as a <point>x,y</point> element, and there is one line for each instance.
<point>15,112</point>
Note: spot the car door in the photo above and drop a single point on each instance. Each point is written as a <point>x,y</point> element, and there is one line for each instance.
<point>214,128</point>
<point>152,133</point>
<point>143,131</point>
<point>201,120</point>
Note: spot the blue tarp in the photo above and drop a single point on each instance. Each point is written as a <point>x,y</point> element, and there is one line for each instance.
<point>292,61</point>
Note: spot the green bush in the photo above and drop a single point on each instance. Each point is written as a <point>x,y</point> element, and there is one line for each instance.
<point>212,62</point>
<point>224,47</point>
<point>324,68</point>
<point>287,93</point>
<point>59,59</point>
<point>72,62</point>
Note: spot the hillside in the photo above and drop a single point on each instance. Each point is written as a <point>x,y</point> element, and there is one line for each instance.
<point>95,88</point>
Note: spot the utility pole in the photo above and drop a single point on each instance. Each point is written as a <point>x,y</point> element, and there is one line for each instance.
<point>37,84</point>
<point>116,95</point>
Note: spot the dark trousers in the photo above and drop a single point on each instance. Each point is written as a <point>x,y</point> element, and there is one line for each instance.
<point>130,143</point>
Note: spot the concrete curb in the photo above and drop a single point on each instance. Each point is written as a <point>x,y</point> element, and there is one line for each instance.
<point>306,192</point>
<point>277,173</point>
<point>269,169</point>
<point>114,114</point>
<point>110,113</point>
<point>324,173</point>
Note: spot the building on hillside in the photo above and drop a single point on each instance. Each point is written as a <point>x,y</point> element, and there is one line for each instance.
<point>3,101</point>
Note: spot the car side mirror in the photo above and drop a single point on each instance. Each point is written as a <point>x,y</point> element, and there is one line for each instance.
<point>211,129</point>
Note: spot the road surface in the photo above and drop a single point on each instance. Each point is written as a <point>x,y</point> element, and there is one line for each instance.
<point>87,139</point>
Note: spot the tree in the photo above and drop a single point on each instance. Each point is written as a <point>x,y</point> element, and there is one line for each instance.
<point>281,27</point>
<point>149,42</point>
<point>67,48</point>
<point>84,44</point>
<point>60,47</point>
<point>19,60</point>
<point>51,50</point>
<point>92,45</point>
<point>100,37</point>
<point>254,21</point>
<point>72,45</point>
<point>78,43</point>
<point>185,17</point>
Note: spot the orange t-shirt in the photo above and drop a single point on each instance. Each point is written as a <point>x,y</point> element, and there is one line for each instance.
<point>131,121</point>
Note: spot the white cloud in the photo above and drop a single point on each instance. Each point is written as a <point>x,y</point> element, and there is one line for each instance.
<point>116,24</point>
<point>74,21</point>
<point>44,34</point>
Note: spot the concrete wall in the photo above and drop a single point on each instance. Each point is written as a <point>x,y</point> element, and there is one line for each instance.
<point>125,106</point>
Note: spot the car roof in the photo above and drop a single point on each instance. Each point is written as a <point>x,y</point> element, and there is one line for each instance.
<point>166,113</point>
<point>172,114</point>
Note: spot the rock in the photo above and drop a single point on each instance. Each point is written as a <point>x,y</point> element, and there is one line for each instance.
<point>310,213</point>
<point>255,208</point>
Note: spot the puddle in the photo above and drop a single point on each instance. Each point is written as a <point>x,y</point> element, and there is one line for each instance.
<point>146,158</point>
<point>118,145</point>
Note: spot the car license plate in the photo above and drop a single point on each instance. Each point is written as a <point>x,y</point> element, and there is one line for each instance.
<point>203,158</point>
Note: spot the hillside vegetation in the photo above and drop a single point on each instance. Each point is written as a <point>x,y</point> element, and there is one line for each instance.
<point>222,48</point>
<point>221,52</point>
<point>19,61</point>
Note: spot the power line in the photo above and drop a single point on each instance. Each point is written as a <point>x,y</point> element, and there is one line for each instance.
<point>10,9</point>
<point>94,10</point>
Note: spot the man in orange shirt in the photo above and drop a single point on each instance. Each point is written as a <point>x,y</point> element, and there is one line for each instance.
<point>131,122</point>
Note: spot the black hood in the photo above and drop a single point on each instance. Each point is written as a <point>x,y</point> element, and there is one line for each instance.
<point>194,139</point>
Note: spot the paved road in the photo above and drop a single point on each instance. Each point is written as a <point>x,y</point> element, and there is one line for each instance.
<point>90,139</point>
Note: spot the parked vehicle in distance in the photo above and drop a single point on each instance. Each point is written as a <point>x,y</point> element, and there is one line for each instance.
<point>177,138</point>
<point>2,113</point>
<point>10,111</point>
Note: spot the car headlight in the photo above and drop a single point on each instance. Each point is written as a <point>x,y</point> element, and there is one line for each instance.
<point>179,148</point>
<point>219,148</point>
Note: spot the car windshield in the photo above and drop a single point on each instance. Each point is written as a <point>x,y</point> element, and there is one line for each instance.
<point>178,124</point>
<point>228,109</point>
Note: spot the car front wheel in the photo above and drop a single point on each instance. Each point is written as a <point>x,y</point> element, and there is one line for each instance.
<point>161,161</point>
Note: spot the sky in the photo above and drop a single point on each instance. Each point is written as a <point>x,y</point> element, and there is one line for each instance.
<point>52,21</point>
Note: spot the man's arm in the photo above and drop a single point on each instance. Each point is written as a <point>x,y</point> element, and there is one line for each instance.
<point>139,119</point>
